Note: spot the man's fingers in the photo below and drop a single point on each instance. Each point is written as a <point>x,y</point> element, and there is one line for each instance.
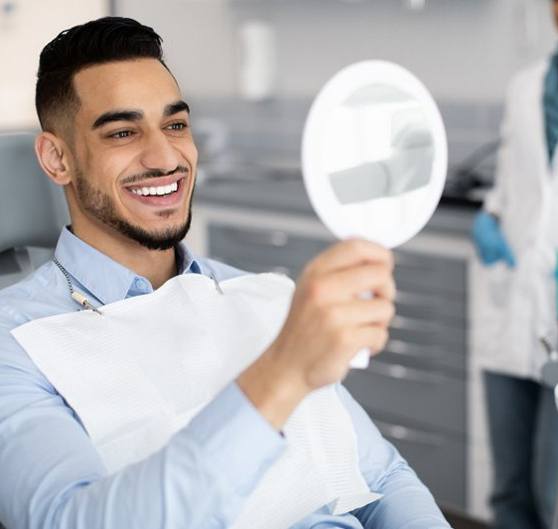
<point>345,284</point>
<point>350,253</point>
<point>359,312</point>
<point>373,337</point>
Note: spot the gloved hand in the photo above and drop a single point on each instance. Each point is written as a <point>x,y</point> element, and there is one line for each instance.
<point>490,242</point>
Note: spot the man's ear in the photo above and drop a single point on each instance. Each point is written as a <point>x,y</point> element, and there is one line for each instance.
<point>53,157</point>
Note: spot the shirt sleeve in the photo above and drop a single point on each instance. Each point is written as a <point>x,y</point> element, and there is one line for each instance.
<point>53,477</point>
<point>406,502</point>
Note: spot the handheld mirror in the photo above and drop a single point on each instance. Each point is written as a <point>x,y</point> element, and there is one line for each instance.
<point>374,156</point>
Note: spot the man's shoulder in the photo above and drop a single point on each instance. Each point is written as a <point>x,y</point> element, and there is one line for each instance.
<point>33,297</point>
<point>36,296</point>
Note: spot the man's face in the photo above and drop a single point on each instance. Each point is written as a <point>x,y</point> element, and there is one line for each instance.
<point>134,155</point>
<point>555,11</point>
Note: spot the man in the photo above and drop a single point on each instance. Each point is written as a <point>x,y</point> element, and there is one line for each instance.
<point>116,134</point>
<point>517,240</point>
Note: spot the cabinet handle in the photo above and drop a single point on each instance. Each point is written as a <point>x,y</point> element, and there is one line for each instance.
<point>399,372</point>
<point>400,347</point>
<point>410,324</point>
<point>404,348</point>
<point>275,238</point>
<point>414,298</point>
<point>282,270</point>
<point>279,239</point>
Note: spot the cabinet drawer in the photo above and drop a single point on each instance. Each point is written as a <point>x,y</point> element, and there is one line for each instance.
<point>424,273</point>
<point>424,398</point>
<point>428,333</point>
<point>449,309</point>
<point>439,460</point>
<point>263,247</point>
<point>424,357</point>
<point>258,268</point>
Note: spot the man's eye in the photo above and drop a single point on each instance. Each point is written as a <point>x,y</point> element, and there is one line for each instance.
<point>177,126</point>
<point>121,134</point>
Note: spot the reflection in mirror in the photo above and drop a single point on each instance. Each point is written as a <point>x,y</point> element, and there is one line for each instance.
<point>374,153</point>
<point>388,150</point>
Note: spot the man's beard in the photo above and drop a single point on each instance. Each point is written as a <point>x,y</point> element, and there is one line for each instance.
<point>101,206</point>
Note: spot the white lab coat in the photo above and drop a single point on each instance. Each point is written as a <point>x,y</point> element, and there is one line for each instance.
<point>512,309</point>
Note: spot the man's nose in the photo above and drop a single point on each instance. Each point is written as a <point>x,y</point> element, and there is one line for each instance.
<point>159,153</point>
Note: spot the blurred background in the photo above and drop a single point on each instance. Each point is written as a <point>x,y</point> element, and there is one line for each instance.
<point>249,69</point>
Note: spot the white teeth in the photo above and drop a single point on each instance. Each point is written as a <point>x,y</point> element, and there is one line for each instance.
<point>156,191</point>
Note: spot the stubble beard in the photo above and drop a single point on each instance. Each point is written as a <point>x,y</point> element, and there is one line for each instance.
<point>100,206</point>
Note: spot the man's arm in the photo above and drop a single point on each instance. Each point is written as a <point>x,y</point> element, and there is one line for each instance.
<point>201,478</point>
<point>406,502</point>
<point>52,476</point>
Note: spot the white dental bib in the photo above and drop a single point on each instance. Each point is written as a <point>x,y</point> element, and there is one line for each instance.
<point>149,364</point>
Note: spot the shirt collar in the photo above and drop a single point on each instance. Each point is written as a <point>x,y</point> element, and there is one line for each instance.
<point>105,278</point>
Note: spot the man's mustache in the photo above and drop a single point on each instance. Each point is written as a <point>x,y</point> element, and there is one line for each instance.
<point>153,173</point>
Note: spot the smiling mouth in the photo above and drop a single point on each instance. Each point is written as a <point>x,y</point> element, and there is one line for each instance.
<point>167,193</point>
<point>156,191</point>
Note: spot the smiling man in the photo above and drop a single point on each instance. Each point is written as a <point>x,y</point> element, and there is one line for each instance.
<point>130,172</point>
<point>117,136</point>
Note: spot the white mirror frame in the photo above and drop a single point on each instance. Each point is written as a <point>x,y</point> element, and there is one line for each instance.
<point>337,90</point>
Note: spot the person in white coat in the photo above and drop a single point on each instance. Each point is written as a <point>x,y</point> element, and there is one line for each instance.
<point>514,323</point>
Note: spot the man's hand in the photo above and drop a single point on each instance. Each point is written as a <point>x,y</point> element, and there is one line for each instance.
<point>328,323</point>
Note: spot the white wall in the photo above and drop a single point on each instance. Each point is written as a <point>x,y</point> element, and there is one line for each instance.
<point>463,49</point>
<point>25,27</point>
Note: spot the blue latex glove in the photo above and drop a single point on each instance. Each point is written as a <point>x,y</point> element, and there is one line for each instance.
<point>490,242</point>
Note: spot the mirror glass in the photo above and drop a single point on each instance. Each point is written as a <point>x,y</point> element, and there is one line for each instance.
<point>374,153</point>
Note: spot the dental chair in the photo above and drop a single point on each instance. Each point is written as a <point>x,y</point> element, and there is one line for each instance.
<point>32,209</point>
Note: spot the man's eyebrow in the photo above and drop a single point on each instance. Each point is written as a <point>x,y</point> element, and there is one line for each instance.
<point>175,108</point>
<point>117,115</point>
<point>137,115</point>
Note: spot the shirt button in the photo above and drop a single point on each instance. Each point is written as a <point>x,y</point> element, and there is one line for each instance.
<point>140,284</point>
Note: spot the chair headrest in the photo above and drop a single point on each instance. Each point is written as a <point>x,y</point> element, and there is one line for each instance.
<point>32,209</point>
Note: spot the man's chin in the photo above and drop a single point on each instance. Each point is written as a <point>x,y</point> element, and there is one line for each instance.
<point>161,239</point>
<point>100,206</point>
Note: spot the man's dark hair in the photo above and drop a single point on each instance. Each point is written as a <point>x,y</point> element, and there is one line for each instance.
<point>100,41</point>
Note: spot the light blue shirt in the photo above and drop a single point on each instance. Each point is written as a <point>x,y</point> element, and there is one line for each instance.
<point>51,476</point>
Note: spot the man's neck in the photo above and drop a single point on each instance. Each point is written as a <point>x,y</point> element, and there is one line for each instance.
<point>158,266</point>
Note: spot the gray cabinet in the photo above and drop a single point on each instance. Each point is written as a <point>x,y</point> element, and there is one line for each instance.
<point>259,250</point>
<point>415,391</point>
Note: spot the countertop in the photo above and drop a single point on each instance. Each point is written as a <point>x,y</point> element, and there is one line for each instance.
<point>288,195</point>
